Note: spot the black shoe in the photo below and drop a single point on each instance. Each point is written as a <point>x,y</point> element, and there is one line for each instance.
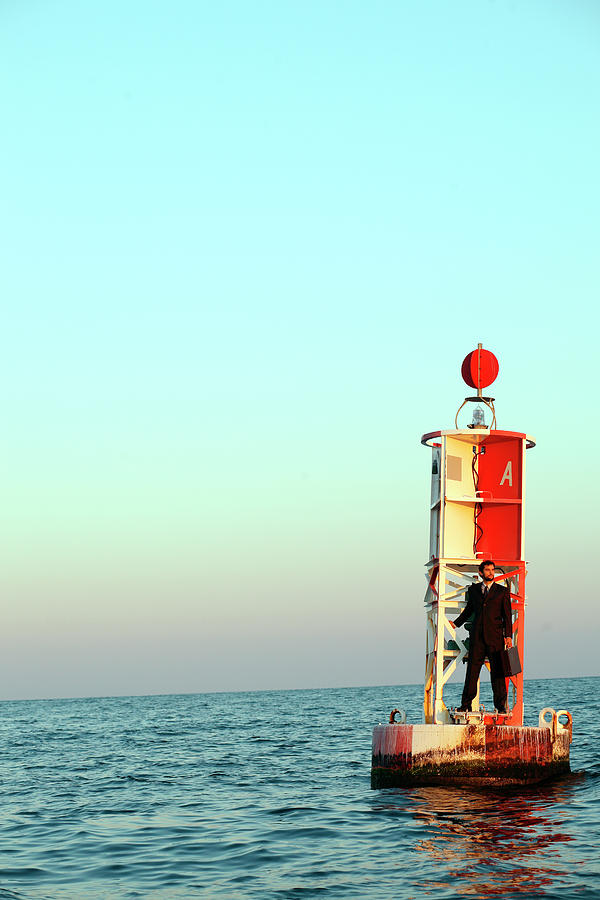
<point>503,711</point>
<point>464,709</point>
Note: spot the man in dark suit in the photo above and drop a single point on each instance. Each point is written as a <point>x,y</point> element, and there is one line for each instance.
<point>491,633</point>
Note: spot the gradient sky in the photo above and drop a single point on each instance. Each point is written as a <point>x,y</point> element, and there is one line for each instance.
<point>245,249</point>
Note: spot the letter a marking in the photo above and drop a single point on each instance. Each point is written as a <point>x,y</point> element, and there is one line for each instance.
<point>507,474</point>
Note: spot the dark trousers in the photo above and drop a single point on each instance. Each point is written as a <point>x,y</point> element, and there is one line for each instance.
<point>477,654</point>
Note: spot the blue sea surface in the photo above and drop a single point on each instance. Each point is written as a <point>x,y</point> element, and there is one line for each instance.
<point>267,795</point>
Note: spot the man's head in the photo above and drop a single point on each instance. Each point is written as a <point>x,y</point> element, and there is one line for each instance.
<point>487,569</point>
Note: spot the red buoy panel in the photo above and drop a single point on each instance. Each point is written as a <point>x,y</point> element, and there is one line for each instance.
<point>500,485</point>
<point>500,468</point>
<point>479,368</point>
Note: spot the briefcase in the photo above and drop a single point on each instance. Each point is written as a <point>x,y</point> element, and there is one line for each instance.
<point>511,662</point>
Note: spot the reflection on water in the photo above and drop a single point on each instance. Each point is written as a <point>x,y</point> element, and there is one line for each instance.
<point>487,843</point>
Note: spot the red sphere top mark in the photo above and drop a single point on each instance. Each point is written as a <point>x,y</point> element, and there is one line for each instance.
<point>480,367</point>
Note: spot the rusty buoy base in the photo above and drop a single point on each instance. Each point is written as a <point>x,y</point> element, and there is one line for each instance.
<point>477,755</point>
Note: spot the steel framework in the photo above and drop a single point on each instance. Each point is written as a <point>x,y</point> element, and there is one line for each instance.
<point>477,505</point>
<point>447,583</point>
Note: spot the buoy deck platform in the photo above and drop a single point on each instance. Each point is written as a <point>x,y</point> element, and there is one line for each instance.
<point>476,754</point>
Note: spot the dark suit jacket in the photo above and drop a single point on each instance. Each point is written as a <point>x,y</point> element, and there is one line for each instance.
<point>493,617</point>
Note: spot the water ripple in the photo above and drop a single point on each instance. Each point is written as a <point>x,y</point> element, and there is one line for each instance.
<point>162,797</point>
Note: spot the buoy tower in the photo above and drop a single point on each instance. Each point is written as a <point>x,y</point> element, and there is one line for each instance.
<point>477,507</point>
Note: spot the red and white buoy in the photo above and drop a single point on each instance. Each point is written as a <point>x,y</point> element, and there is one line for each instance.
<point>476,512</point>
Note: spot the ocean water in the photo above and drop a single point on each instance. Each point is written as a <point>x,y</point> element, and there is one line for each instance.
<point>267,795</point>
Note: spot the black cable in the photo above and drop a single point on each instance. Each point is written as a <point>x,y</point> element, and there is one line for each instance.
<point>478,508</point>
